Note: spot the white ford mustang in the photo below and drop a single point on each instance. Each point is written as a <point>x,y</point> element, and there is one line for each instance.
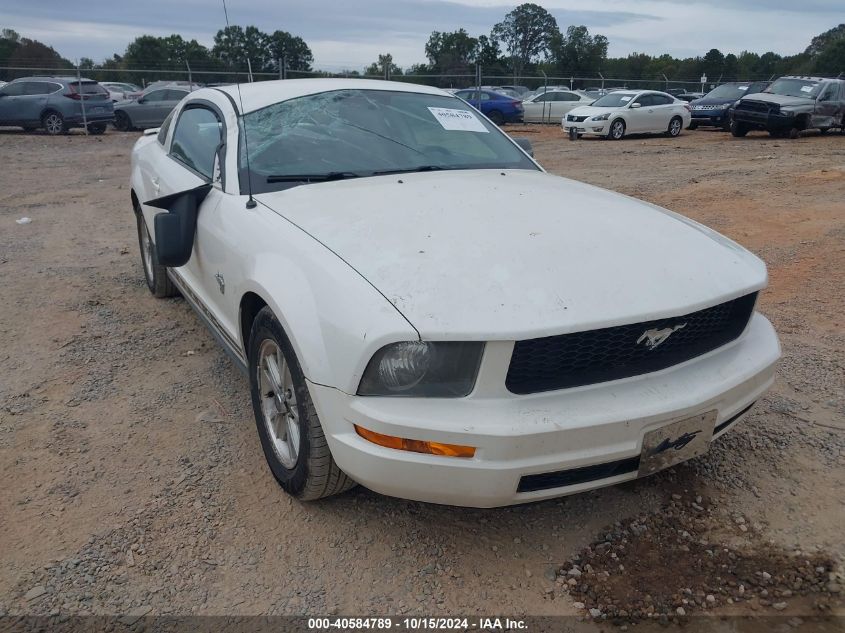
<point>406,321</point>
<point>629,112</point>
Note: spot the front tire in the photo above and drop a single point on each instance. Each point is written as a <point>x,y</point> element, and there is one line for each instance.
<point>291,435</point>
<point>54,123</point>
<point>155,274</point>
<point>617,130</point>
<point>738,129</point>
<point>675,126</point>
<point>693,126</point>
<point>122,122</point>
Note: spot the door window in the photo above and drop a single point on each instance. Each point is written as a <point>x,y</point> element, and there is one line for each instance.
<point>644,100</point>
<point>568,96</point>
<point>661,100</point>
<point>14,89</point>
<point>39,88</point>
<point>175,95</point>
<point>829,93</point>
<point>155,96</point>
<point>196,139</point>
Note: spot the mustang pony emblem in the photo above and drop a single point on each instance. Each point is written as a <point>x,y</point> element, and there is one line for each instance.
<point>654,337</point>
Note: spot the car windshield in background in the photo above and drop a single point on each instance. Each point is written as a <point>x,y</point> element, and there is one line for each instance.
<point>356,133</point>
<point>795,88</point>
<point>728,91</point>
<point>614,100</point>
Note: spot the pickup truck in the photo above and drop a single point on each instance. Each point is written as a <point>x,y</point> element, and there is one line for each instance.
<point>791,105</point>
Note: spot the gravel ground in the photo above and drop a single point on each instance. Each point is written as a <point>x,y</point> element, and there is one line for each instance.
<point>133,480</point>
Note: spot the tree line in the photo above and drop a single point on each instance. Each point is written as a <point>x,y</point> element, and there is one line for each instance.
<point>527,42</point>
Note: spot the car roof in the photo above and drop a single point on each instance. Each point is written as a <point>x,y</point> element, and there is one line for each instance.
<point>260,94</point>
<point>53,78</point>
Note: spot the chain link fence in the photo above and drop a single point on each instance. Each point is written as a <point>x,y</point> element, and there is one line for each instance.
<point>461,78</point>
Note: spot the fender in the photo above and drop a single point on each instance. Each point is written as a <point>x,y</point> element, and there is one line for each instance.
<point>333,318</point>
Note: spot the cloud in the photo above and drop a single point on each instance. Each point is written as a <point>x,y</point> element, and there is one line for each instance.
<point>346,34</point>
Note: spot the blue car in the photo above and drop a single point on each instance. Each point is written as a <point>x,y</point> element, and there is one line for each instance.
<point>714,108</point>
<point>497,107</point>
<point>55,104</point>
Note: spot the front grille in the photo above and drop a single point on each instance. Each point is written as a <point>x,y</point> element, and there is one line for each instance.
<point>575,119</point>
<point>584,358</point>
<point>757,106</point>
<point>708,107</point>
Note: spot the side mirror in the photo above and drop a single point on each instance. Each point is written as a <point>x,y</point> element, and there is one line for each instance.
<point>175,230</point>
<point>526,146</point>
<point>636,105</point>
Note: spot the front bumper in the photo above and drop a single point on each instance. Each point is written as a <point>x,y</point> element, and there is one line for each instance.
<point>518,436</point>
<point>765,120</point>
<point>596,128</point>
<point>717,118</point>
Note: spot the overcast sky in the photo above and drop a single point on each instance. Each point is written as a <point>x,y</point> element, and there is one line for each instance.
<point>350,34</point>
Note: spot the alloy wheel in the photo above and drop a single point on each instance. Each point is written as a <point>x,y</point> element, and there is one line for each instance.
<point>54,124</point>
<point>675,127</point>
<point>278,403</point>
<point>146,250</point>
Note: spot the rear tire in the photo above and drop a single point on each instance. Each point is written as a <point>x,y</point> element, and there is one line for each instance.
<point>54,123</point>
<point>794,133</point>
<point>617,130</point>
<point>122,122</point>
<point>675,126</point>
<point>738,129</point>
<point>158,282</point>
<point>291,435</point>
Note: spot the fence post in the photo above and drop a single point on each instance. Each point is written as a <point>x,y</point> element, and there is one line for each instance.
<point>190,81</point>
<point>81,97</point>
<point>478,85</point>
<point>249,68</point>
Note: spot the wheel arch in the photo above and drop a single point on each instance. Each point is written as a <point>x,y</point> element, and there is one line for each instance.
<point>335,320</point>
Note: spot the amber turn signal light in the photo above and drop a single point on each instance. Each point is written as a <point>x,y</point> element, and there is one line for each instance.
<point>415,446</point>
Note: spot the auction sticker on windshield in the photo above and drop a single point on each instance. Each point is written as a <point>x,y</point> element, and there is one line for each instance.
<point>460,120</point>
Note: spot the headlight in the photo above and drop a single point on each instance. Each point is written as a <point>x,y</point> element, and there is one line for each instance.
<point>601,117</point>
<point>422,369</point>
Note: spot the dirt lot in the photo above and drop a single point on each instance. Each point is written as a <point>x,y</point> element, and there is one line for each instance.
<point>133,480</point>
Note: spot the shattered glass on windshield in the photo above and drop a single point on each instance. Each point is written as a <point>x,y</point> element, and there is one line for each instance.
<point>359,133</point>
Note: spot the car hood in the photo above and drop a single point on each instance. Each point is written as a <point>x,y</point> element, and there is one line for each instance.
<point>782,100</point>
<point>591,111</point>
<point>504,255</point>
<point>711,101</point>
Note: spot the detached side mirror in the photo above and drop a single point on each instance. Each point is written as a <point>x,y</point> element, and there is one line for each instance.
<point>633,106</point>
<point>526,146</point>
<point>175,230</point>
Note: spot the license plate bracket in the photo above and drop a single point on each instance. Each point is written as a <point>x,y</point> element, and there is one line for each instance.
<point>676,442</point>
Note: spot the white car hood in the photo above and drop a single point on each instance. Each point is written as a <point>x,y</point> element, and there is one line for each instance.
<point>495,255</point>
<point>592,111</point>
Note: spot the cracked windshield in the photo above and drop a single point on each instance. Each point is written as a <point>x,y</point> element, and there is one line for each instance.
<point>356,133</point>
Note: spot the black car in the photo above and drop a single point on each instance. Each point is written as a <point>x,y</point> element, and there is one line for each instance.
<point>791,105</point>
<point>715,107</point>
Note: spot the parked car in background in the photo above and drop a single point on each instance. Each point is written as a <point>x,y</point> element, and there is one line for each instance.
<point>629,112</point>
<point>495,106</point>
<point>520,90</point>
<point>552,106</point>
<point>508,92</point>
<point>406,321</point>
<point>149,110</point>
<point>55,104</point>
<point>163,83</point>
<point>689,96</point>
<point>791,105</point>
<point>714,108</point>
<point>119,91</point>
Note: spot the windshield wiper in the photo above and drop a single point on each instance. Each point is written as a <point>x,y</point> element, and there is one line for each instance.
<point>332,175</point>
<point>411,170</point>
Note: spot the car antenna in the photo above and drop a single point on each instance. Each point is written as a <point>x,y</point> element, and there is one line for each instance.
<point>250,204</point>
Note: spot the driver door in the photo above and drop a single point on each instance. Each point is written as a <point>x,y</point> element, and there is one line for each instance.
<point>187,163</point>
<point>829,110</point>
